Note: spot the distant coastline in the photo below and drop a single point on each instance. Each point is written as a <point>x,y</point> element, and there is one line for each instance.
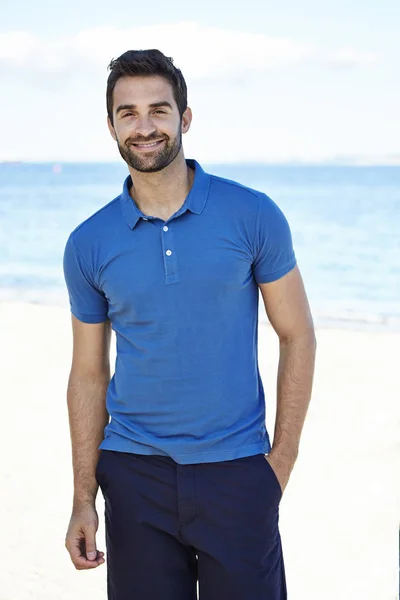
<point>387,160</point>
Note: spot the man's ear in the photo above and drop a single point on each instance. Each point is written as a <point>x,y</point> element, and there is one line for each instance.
<point>111,129</point>
<point>186,120</point>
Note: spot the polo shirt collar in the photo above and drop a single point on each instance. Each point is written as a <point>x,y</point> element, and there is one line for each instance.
<point>195,200</point>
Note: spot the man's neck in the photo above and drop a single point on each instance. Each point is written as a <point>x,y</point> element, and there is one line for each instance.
<point>161,194</point>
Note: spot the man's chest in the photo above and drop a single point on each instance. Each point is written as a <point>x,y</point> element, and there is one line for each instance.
<point>138,270</point>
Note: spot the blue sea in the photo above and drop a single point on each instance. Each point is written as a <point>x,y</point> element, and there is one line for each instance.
<point>345,223</point>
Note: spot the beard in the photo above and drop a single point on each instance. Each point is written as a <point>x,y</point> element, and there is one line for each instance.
<point>149,162</point>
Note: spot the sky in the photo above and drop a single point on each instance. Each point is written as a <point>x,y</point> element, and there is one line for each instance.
<point>310,81</point>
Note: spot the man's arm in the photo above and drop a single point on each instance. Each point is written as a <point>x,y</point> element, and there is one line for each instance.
<point>86,394</point>
<point>288,311</point>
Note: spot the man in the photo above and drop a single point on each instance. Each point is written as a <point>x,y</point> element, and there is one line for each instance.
<point>174,265</point>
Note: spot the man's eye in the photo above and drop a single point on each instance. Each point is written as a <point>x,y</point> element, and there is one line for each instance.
<point>129,114</point>
<point>160,112</point>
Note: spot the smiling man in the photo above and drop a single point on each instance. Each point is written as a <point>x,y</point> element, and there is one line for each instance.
<point>177,439</point>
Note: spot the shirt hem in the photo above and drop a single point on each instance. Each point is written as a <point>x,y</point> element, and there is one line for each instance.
<point>277,274</point>
<point>89,318</point>
<point>192,457</point>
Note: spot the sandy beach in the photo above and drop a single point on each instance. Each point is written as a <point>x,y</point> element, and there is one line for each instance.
<point>340,513</point>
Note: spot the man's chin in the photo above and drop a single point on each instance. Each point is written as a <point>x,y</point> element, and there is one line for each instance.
<point>151,163</point>
<point>147,166</point>
<point>147,169</point>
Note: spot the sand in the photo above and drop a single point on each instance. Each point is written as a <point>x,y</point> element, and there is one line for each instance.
<point>340,513</point>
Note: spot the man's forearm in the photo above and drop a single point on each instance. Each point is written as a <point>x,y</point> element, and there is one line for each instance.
<point>87,418</point>
<point>295,377</point>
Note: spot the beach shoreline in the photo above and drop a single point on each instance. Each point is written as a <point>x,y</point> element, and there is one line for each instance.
<point>340,513</point>
<point>349,320</point>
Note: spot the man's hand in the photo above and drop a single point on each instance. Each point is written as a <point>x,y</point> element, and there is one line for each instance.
<point>281,467</point>
<point>81,539</point>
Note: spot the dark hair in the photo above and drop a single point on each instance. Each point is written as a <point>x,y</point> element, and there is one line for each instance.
<point>146,62</point>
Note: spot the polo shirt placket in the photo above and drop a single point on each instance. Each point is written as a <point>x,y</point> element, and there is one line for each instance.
<point>167,246</point>
<point>170,254</point>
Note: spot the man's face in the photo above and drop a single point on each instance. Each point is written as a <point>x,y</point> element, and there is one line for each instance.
<point>147,124</point>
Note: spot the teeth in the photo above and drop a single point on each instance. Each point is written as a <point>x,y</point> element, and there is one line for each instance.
<point>147,145</point>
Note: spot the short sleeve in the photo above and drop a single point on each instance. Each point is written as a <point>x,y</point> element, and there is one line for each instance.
<point>273,247</point>
<point>88,303</point>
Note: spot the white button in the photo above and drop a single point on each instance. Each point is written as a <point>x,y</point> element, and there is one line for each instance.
<point>165,228</point>
<point>145,219</point>
<point>168,253</point>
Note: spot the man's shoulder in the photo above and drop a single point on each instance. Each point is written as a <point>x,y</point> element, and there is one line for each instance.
<point>244,200</point>
<point>102,218</point>
<point>247,200</point>
<point>222,185</point>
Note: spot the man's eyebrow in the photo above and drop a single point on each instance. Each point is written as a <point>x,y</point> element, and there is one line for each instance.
<point>162,104</point>
<point>125,107</point>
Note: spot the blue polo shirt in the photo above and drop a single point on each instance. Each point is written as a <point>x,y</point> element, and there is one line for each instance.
<point>182,298</point>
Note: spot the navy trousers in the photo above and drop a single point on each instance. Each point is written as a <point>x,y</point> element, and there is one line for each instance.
<point>169,526</point>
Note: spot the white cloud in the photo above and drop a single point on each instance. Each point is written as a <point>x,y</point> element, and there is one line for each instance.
<point>200,51</point>
<point>15,47</point>
<point>350,57</point>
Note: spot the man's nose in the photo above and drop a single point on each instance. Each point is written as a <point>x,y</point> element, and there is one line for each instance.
<point>144,126</point>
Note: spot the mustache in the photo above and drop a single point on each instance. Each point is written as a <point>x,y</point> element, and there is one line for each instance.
<point>145,140</point>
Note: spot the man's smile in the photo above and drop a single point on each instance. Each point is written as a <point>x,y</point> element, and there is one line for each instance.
<point>147,146</point>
